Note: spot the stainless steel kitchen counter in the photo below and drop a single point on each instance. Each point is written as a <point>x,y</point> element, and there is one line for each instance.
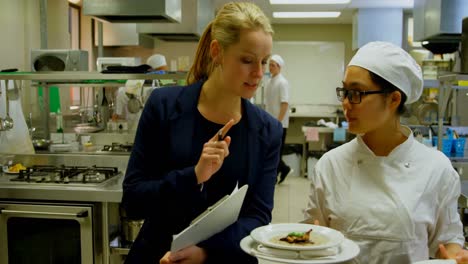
<point>108,191</point>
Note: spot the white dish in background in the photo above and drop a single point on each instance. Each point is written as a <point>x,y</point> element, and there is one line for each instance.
<point>436,261</point>
<point>266,235</point>
<point>347,250</point>
<point>10,172</point>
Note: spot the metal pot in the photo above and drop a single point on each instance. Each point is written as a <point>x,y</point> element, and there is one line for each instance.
<point>133,105</point>
<point>41,144</point>
<point>130,228</point>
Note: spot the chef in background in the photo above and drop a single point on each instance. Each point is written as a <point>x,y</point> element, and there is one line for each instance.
<point>133,91</point>
<point>277,104</point>
<point>393,196</point>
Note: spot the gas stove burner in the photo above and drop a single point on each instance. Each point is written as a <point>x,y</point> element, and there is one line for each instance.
<point>66,174</point>
<point>117,147</point>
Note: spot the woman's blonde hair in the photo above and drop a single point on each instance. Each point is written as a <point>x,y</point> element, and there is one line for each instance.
<point>226,28</point>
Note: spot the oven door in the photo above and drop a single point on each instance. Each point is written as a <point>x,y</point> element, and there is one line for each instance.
<point>46,233</point>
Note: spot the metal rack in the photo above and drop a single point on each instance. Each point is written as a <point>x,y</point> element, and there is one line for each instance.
<point>446,86</point>
<point>81,79</point>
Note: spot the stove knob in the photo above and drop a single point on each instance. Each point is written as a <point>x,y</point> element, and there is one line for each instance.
<point>66,179</point>
<point>57,178</point>
<point>47,179</point>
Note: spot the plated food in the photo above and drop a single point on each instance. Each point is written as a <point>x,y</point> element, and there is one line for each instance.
<point>297,236</point>
<point>301,239</point>
<point>345,251</point>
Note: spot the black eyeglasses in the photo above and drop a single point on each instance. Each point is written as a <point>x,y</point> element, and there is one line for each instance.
<point>354,96</point>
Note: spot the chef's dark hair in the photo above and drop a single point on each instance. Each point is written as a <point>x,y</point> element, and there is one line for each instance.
<point>226,28</point>
<point>387,87</point>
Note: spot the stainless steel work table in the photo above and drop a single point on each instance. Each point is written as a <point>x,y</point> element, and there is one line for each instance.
<point>109,191</point>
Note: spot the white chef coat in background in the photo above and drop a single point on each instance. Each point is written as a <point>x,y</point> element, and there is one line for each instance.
<point>135,88</point>
<point>397,208</point>
<point>277,92</point>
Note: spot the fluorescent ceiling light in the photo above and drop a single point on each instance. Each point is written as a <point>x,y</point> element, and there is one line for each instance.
<point>305,14</point>
<point>308,2</point>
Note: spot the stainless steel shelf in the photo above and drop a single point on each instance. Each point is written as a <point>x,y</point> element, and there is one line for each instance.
<point>74,76</point>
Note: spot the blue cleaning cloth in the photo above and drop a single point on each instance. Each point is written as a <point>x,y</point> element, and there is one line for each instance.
<point>339,134</point>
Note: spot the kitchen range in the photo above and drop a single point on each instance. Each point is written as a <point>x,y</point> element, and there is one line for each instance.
<point>60,208</point>
<point>72,175</point>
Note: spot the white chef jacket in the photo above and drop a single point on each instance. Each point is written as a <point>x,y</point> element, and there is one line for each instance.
<point>277,92</point>
<point>397,208</point>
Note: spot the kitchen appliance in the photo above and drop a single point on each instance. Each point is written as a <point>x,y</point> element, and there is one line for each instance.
<point>196,14</point>
<point>59,60</point>
<point>35,233</point>
<point>129,227</point>
<point>118,147</point>
<point>464,46</point>
<point>134,11</point>
<point>104,62</point>
<point>70,175</point>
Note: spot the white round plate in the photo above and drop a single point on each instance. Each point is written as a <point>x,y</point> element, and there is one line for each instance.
<point>347,251</point>
<point>10,172</point>
<point>436,261</point>
<point>269,234</point>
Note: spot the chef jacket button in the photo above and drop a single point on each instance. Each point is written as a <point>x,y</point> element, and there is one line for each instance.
<point>407,164</point>
<point>359,162</point>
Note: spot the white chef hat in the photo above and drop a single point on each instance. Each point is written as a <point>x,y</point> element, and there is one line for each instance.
<point>394,65</point>
<point>133,86</point>
<point>156,61</point>
<point>277,58</point>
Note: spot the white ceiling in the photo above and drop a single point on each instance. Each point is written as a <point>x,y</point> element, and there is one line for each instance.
<point>347,10</point>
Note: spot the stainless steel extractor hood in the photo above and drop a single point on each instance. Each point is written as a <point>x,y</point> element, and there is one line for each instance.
<point>196,14</point>
<point>439,21</point>
<point>134,11</point>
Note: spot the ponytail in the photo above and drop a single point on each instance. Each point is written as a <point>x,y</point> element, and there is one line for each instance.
<point>226,29</point>
<point>202,64</point>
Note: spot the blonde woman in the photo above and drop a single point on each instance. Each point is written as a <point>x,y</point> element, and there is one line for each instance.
<point>179,166</point>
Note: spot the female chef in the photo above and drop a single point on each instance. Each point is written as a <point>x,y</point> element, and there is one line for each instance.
<point>394,197</point>
<point>179,165</point>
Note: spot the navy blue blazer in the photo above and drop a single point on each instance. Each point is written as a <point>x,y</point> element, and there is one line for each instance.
<point>160,184</point>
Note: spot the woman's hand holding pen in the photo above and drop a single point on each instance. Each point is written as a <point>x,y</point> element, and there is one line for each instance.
<point>213,154</point>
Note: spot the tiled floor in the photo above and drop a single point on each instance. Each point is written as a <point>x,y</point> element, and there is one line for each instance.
<point>290,201</point>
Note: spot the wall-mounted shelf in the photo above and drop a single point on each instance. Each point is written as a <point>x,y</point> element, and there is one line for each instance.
<point>87,77</point>
<point>436,83</point>
<point>446,86</point>
<point>81,79</point>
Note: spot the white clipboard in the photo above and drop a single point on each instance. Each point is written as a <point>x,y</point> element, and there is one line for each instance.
<point>215,219</point>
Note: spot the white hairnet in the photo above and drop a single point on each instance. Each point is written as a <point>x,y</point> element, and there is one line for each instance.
<point>156,61</point>
<point>277,58</point>
<point>393,64</point>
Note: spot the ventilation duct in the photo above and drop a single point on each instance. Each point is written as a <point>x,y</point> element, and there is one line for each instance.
<point>134,11</point>
<point>196,14</point>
